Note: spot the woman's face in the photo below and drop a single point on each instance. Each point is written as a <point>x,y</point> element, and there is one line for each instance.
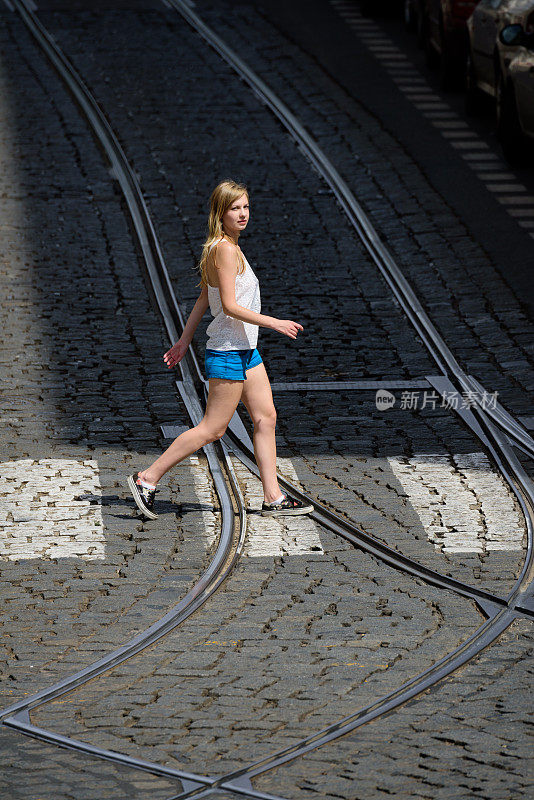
<point>236,217</point>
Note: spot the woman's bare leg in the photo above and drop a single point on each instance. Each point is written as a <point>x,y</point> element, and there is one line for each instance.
<point>258,399</point>
<point>223,398</point>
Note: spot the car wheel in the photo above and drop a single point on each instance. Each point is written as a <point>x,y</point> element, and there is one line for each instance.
<point>420,24</point>
<point>473,95</point>
<point>448,68</point>
<point>451,68</point>
<point>410,21</point>
<point>509,131</point>
<point>431,54</point>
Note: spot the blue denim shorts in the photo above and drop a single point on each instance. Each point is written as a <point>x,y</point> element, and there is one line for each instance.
<point>231,364</point>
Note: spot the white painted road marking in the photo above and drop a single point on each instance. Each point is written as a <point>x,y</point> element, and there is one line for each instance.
<point>276,536</point>
<point>462,503</point>
<point>41,515</point>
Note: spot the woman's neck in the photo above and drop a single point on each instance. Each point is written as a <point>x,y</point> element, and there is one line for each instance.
<point>233,238</point>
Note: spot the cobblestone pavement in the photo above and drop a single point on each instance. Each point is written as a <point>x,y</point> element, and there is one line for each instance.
<point>459,286</point>
<point>87,409</point>
<point>148,137</point>
<point>84,390</point>
<point>461,739</point>
<point>329,608</point>
<point>414,483</point>
<point>34,770</point>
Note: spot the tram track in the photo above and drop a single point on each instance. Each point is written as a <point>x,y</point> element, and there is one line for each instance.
<point>498,431</point>
<point>233,531</point>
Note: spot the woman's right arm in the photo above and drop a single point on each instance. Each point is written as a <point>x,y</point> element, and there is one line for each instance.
<point>226,264</point>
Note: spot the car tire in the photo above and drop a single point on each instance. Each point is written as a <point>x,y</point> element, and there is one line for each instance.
<point>431,54</point>
<point>420,26</point>
<point>449,72</point>
<point>473,95</point>
<point>410,21</point>
<point>509,131</point>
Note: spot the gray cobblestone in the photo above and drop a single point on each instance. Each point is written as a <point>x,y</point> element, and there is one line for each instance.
<point>52,773</point>
<point>163,174</point>
<point>463,292</point>
<point>464,738</point>
<point>349,636</point>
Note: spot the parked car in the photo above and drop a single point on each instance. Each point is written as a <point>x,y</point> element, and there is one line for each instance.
<point>488,56</point>
<point>445,38</point>
<point>515,93</point>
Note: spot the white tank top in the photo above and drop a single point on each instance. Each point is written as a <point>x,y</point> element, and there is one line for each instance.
<point>225,332</point>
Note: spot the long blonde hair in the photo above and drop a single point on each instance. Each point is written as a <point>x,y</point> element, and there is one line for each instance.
<point>222,197</point>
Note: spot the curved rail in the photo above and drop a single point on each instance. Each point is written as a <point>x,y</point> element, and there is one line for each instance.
<point>233,531</point>
<point>442,355</point>
<point>481,417</point>
<point>436,346</point>
<point>520,598</point>
<point>484,636</point>
<point>383,259</point>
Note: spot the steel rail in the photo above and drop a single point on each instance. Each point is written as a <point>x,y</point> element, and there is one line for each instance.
<point>229,540</point>
<point>383,259</point>
<point>404,293</point>
<point>19,719</point>
<point>522,593</point>
<point>239,781</point>
<point>218,570</point>
<point>488,602</point>
<point>230,544</point>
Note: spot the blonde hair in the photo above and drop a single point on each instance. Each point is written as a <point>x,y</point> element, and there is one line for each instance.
<point>222,197</point>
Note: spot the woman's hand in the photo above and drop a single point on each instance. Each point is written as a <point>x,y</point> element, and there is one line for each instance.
<point>176,353</point>
<point>288,327</point>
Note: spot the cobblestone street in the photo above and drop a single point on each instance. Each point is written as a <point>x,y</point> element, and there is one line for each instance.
<point>307,629</point>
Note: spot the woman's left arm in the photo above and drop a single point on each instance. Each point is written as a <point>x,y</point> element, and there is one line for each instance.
<point>178,351</point>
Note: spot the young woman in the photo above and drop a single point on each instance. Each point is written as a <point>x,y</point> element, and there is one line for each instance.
<point>232,362</point>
